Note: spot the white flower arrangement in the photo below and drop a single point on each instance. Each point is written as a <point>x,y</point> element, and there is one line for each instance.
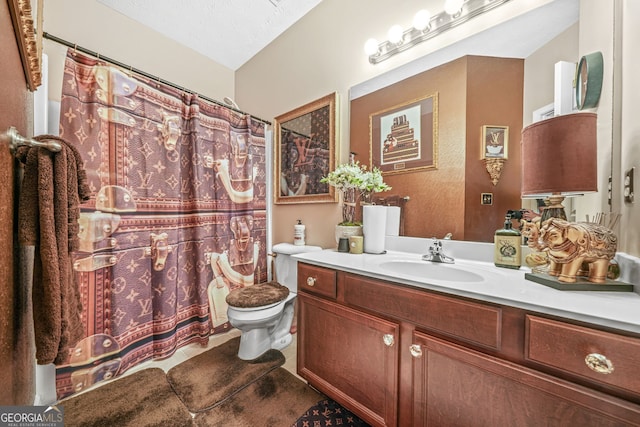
<point>354,180</point>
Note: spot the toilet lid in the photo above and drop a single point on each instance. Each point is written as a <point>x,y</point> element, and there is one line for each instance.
<point>258,295</point>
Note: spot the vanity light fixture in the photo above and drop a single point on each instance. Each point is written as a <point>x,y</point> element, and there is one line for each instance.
<point>426,26</point>
<point>453,7</point>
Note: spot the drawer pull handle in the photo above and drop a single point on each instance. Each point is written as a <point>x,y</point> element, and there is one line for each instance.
<point>599,363</point>
<point>388,340</point>
<point>415,350</point>
<point>311,281</point>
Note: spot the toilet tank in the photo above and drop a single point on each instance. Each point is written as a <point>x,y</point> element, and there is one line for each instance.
<point>286,267</point>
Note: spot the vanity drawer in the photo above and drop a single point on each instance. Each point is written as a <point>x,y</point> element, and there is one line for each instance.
<point>466,320</point>
<point>585,352</point>
<point>316,280</point>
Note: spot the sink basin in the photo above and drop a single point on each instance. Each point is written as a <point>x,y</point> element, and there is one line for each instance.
<point>427,270</point>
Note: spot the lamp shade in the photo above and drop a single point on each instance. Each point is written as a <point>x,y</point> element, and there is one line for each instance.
<point>559,156</point>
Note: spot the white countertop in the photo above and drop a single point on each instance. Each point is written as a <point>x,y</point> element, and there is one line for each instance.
<point>619,310</point>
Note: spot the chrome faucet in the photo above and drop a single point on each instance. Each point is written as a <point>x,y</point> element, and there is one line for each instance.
<point>436,255</point>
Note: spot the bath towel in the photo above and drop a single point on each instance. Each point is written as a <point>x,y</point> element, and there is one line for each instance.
<point>53,187</point>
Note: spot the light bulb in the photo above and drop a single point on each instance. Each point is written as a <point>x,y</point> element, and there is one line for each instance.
<point>453,7</point>
<point>395,34</point>
<point>421,20</point>
<point>371,47</point>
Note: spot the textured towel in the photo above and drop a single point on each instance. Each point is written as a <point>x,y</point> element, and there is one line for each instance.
<point>54,184</point>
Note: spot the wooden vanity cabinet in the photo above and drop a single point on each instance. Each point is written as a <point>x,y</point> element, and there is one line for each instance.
<point>456,386</point>
<point>401,356</point>
<point>350,356</point>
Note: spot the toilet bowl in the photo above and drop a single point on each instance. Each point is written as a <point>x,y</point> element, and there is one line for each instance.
<point>264,313</point>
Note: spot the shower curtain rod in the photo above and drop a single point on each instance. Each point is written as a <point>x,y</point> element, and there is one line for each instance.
<point>142,73</point>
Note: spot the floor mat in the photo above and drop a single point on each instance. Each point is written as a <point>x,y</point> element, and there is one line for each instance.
<point>143,398</point>
<point>206,379</point>
<point>329,413</point>
<point>275,400</point>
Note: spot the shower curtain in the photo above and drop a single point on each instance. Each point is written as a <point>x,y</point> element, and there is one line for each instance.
<point>177,217</point>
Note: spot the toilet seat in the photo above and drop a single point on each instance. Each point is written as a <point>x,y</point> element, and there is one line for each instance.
<point>262,307</point>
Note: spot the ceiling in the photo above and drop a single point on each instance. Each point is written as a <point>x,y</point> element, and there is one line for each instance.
<point>230,32</point>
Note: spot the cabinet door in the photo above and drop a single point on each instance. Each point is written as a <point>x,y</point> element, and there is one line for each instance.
<point>350,356</point>
<point>454,386</point>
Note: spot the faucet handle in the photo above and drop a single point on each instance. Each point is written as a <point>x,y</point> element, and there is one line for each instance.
<point>435,247</point>
<point>436,254</point>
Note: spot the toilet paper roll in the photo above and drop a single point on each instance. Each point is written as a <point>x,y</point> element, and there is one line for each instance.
<point>393,221</point>
<point>374,222</point>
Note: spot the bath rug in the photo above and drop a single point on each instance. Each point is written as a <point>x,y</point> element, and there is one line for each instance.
<point>274,400</point>
<point>329,413</point>
<point>208,378</point>
<point>143,398</point>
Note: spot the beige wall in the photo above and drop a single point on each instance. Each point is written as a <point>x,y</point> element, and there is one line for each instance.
<point>100,29</point>
<point>539,70</point>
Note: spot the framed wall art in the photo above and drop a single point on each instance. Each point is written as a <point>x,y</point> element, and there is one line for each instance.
<point>305,150</point>
<point>404,138</point>
<point>494,142</point>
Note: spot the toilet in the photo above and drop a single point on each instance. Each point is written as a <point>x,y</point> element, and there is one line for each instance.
<point>264,312</point>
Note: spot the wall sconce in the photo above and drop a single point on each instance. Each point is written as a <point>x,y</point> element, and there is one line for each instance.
<point>425,26</point>
<point>494,167</point>
<point>559,159</point>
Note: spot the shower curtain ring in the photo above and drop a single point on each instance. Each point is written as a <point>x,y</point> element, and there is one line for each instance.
<point>75,49</point>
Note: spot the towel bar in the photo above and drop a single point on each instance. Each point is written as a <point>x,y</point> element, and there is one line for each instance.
<point>14,139</point>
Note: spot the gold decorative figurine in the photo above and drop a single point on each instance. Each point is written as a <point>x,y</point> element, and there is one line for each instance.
<point>577,252</point>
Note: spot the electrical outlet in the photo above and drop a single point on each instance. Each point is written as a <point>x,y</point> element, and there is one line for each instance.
<point>628,186</point>
<point>486,198</point>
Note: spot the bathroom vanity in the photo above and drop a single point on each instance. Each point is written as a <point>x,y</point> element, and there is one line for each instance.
<point>485,349</point>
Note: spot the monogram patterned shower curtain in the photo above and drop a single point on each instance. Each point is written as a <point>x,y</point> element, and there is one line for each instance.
<point>177,217</point>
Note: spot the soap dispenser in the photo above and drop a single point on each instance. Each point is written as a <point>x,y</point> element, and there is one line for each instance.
<point>507,243</point>
<point>298,234</point>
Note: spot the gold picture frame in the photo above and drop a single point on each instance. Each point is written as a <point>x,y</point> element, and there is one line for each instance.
<point>494,142</point>
<point>29,37</point>
<point>404,138</point>
<point>305,152</point>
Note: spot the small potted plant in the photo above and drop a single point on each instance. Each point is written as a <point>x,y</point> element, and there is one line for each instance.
<point>354,182</point>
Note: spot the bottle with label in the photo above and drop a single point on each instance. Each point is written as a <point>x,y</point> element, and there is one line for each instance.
<point>507,243</point>
<point>298,234</point>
